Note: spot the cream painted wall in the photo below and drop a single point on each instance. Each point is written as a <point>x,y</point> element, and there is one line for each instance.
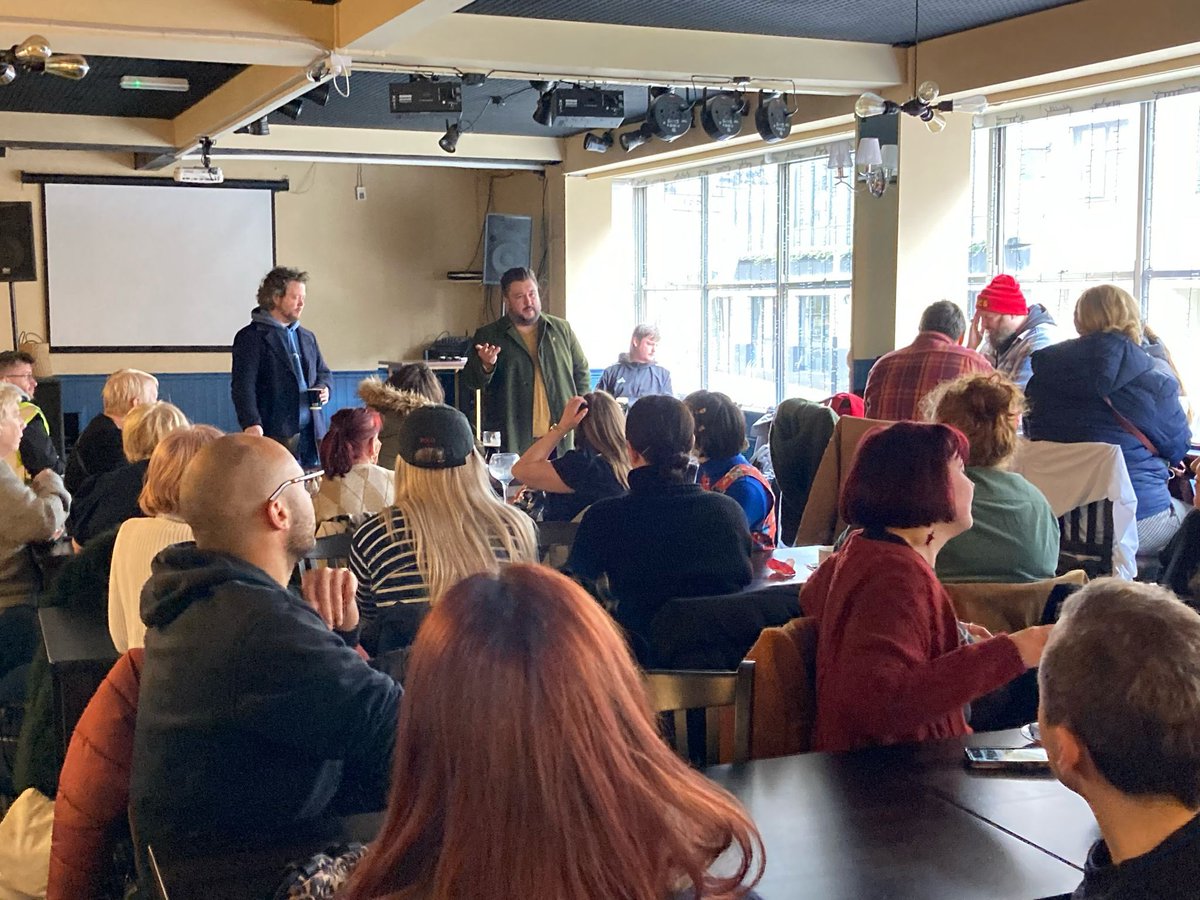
<point>377,287</point>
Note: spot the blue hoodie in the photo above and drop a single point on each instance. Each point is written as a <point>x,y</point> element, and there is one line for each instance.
<point>1066,404</point>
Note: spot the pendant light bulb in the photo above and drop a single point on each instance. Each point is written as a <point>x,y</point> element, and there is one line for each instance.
<point>870,104</point>
<point>936,123</point>
<point>928,91</point>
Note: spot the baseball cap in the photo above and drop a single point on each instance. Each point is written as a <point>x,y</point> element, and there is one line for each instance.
<point>436,437</point>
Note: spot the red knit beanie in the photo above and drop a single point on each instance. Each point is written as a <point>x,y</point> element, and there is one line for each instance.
<point>1002,296</point>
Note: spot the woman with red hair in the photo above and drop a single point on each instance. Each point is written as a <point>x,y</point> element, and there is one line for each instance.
<point>892,666</point>
<point>528,764</point>
<point>354,487</point>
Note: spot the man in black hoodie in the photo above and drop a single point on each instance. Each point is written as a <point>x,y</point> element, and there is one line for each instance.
<point>636,374</point>
<point>255,711</point>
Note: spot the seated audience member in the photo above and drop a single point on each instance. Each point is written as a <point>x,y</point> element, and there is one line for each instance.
<point>1120,721</point>
<point>720,440</point>
<point>1014,535</point>
<point>353,487</point>
<point>446,523</point>
<point>557,783</point>
<point>1102,386</point>
<point>98,449</point>
<point>407,387</point>
<point>255,711</point>
<point>34,512</point>
<point>891,667</point>
<point>1007,330</point>
<point>37,451</point>
<point>666,538</point>
<point>900,379</point>
<point>635,374</point>
<point>105,501</point>
<point>140,539</point>
<point>597,468</point>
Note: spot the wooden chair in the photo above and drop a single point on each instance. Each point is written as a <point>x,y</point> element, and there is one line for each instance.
<point>332,550</point>
<point>678,691</point>
<point>1086,536</point>
<point>1007,607</point>
<point>555,540</point>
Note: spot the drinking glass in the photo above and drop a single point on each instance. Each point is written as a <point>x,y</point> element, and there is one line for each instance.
<point>490,439</point>
<point>500,465</point>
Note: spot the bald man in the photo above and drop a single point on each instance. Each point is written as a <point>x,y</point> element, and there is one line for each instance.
<point>255,711</point>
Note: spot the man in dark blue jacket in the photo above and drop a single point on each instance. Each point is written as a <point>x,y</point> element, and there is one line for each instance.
<point>276,362</point>
<point>255,712</point>
<point>635,374</point>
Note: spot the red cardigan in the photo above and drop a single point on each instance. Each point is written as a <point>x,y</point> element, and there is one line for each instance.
<point>889,666</point>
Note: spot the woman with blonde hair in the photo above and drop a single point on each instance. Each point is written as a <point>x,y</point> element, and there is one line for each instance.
<point>597,468</point>
<point>446,523</point>
<point>98,449</point>
<point>107,500</point>
<point>1104,387</point>
<point>139,540</point>
<point>528,764</point>
<point>1014,536</point>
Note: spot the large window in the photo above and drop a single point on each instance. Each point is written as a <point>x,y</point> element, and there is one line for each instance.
<point>1107,194</point>
<point>733,319</point>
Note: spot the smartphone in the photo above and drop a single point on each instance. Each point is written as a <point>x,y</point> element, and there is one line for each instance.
<point>1018,759</point>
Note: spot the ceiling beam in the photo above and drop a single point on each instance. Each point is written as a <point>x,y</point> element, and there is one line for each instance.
<point>24,129</point>
<point>375,25</point>
<point>624,53</point>
<point>1077,40</point>
<point>246,32</point>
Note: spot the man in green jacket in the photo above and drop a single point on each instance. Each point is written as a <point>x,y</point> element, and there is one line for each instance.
<point>528,365</point>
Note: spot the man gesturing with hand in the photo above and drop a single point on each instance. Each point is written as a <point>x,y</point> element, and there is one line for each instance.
<point>528,365</point>
<point>255,711</point>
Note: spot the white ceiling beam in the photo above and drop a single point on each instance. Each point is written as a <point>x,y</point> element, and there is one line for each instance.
<point>23,129</point>
<point>247,32</point>
<point>372,25</point>
<point>620,53</point>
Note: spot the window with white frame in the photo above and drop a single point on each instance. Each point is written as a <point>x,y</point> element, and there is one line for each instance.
<point>1103,194</point>
<point>734,319</point>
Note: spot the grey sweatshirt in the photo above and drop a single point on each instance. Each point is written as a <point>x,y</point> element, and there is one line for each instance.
<point>31,514</point>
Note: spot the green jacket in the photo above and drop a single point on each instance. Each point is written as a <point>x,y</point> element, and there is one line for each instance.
<point>508,388</point>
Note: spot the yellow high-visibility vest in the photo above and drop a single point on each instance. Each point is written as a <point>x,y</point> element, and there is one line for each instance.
<point>29,411</point>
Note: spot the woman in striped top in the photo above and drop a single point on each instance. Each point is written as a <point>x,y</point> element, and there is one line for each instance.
<point>446,523</point>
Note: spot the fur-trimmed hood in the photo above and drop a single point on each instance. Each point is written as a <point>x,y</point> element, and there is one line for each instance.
<point>384,398</point>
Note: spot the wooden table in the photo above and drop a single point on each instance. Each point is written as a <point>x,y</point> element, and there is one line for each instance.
<point>896,823</point>
<point>80,653</point>
<point>802,559</point>
<point>911,822</point>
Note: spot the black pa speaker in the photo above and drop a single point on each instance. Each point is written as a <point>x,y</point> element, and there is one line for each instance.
<point>506,242</point>
<point>16,242</point>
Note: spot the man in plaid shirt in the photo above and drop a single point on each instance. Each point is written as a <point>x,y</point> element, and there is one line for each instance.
<point>899,379</point>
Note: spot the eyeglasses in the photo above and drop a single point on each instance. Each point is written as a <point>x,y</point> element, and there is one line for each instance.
<point>308,479</point>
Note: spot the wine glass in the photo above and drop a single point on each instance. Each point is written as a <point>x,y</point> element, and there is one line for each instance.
<point>500,465</point>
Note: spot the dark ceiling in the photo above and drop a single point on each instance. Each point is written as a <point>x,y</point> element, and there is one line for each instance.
<point>367,107</point>
<point>875,21</point>
<point>100,93</point>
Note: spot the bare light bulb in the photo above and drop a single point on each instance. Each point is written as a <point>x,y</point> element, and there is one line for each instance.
<point>936,123</point>
<point>34,48</point>
<point>8,73</point>
<point>868,105</point>
<point>66,65</point>
<point>928,91</point>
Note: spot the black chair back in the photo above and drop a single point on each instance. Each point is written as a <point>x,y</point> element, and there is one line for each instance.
<point>1086,537</point>
<point>332,550</point>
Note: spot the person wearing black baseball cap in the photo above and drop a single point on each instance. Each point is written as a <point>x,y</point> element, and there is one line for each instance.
<point>446,523</point>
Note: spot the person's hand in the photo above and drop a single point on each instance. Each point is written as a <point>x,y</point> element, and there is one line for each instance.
<point>253,429</point>
<point>330,592</point>
<point>574,412</point>
<point>323,393</point>
<point>487,355</point>
<point>975,335</point>
<point>1031,642</point>
<point>977,631</point>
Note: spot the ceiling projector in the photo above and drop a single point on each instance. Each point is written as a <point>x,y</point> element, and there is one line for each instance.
<point>199,175</point>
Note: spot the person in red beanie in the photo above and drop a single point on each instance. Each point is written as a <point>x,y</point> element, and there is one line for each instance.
<point>1007,330</point>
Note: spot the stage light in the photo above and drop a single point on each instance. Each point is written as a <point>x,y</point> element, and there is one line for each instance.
<point>598,143</point>
<point>292,108</point>
<point>631,140</point>
<point>773,119</point>
<point>449,140</point>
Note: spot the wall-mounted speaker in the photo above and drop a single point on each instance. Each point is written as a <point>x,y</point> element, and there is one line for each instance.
<point>506,241</point>
<point>16,242</point>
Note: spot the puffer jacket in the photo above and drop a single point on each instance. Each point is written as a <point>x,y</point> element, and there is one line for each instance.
<point>393,405</point>
<point>1066,404</point>
<point>93,790</point>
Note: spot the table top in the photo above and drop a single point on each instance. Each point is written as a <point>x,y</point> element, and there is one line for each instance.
<point>802,559</point>
<point>74,636</point>
<point>895,822</point>
<point>909,822</point>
